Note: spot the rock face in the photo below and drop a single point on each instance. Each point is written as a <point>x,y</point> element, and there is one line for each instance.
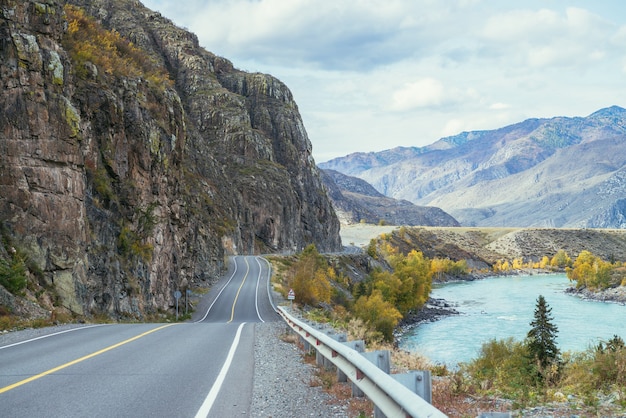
<point>355,200</point>
<point>129,173</point>
<point>558,172</point>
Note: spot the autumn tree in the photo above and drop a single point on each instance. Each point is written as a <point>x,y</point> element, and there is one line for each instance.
<point>309,278</point>
<point>413,272</point>
<point>592,272</point>
<point>561,259</point>
<point>377,313</point>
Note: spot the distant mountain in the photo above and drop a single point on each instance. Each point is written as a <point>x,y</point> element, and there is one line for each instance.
<point>557,172</point>
<point>355,200</point>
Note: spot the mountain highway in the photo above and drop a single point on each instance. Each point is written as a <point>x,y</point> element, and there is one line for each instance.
<point>200,368</point>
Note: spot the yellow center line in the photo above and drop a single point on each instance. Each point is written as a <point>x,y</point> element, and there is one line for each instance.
<point>232,312</point>
<point>71,363</point>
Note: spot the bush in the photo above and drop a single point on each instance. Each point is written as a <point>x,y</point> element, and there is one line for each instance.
<point>13,274</point>
<point>502,368</point>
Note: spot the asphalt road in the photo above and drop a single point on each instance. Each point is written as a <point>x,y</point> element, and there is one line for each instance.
<point>195,369</point>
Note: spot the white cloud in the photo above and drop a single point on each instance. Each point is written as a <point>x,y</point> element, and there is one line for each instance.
<point>549,38</point>
<point>499,106</point>
<point>421,93</point>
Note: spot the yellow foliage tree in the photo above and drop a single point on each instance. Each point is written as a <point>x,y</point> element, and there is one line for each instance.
<point>518,264</point>
<point>309,279</point>
<point>591,271</point>
<point>561,259</point>
<point>416,277</point>
<point>377,313</point>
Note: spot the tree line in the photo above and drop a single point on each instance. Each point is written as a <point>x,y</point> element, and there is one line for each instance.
<point>399,285</point>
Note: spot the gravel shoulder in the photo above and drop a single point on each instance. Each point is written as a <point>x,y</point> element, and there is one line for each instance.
<point>282,380</point>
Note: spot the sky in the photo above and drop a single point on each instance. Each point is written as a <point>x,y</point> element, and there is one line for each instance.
<point>371,75</point>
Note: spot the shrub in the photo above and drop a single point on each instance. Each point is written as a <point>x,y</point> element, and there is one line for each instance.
<point>13,274</point>
<point>502,368</point>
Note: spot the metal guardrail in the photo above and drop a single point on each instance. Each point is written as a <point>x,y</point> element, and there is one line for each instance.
<point>391,397</point>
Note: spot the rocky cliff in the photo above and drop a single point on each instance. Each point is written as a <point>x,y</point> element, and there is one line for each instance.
<point>557,172</point>
<point>132,160</point>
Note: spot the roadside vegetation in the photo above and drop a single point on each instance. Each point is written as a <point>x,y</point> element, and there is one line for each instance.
<point>507,374</point>
<point>398,284</point>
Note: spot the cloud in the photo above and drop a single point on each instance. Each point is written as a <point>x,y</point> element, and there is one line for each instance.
<point>422,93</point>
<point>338,34</point>
<point>499,106</point>
<point>548,38</point>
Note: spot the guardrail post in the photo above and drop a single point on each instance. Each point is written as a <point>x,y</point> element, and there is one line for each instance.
<point>356,345</point>
<point>380,359</point>
<point>418,381</point>
<point>328,364</point>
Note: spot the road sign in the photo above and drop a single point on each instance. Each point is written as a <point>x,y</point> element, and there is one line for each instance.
<point>291,295</point>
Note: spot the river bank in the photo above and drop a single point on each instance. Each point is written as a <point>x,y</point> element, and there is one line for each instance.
<point>612,295</point>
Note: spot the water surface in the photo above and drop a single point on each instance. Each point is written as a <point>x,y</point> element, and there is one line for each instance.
<point>501,307</point>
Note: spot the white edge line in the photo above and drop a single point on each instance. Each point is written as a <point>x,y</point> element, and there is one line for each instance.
<point>204,410</point>
<point>51,335</point>
<point>256,292</point>
<point>269,275</point>
<point>218,295</point>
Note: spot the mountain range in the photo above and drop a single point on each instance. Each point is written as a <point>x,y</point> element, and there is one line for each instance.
<point>357,201</point>
<point>551,172</point>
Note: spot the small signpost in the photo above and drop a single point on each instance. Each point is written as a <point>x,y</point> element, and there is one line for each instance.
<point>177,295</point>
<point>291,296</point>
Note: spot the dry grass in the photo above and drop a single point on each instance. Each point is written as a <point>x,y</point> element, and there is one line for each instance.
<point>341,393</point>
<point>449,400</point>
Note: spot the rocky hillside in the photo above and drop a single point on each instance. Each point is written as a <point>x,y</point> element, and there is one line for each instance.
<point>356,201</point>
<point>482,247</point>
<point>132,160</point>
<point>558,172</point>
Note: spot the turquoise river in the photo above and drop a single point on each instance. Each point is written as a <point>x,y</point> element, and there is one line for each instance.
<point>502,307</point>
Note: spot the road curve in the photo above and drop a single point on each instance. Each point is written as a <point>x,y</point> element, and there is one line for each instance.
<point>195,369</point>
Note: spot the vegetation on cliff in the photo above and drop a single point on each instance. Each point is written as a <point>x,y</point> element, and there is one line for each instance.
<point>89,45</point>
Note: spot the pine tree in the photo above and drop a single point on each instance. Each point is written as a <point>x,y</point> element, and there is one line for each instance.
<point>542,336</point>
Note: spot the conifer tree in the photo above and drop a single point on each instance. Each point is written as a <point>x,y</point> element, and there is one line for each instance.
<point>542,336</point>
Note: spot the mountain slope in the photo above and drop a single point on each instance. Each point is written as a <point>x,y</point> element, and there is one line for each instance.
<point>355,200</point>
<point>558,172</point>
<point>133,161</point>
